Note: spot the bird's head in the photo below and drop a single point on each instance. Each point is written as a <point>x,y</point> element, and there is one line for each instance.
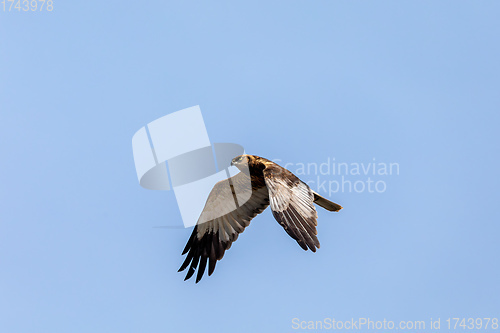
<point>241,161</point>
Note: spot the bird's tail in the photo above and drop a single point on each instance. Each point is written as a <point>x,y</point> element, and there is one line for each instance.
<point>325,203</point>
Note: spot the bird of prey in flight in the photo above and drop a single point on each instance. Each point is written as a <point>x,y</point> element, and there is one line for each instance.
<point>265,183</point>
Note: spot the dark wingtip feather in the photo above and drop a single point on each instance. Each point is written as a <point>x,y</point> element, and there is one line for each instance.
<point>192,268</point>
<point>212,257</point>
<point>211,265</point>
<point>186,262</point>
<point>190,241</point>
<point>190,273</point>
<point>201,268</point>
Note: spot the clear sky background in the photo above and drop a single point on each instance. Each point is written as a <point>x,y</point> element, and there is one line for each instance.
<point>410,82</point>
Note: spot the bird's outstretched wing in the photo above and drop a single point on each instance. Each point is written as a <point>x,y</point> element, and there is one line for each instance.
<point>214,234</point>
<point>292,205</point>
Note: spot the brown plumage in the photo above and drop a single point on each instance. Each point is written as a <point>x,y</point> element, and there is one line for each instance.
<point>234,202</point>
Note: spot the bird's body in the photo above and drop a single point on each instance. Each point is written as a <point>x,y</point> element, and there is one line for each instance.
<point>234,202</point>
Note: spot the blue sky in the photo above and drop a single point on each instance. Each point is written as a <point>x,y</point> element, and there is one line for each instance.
<point>414,83</point>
